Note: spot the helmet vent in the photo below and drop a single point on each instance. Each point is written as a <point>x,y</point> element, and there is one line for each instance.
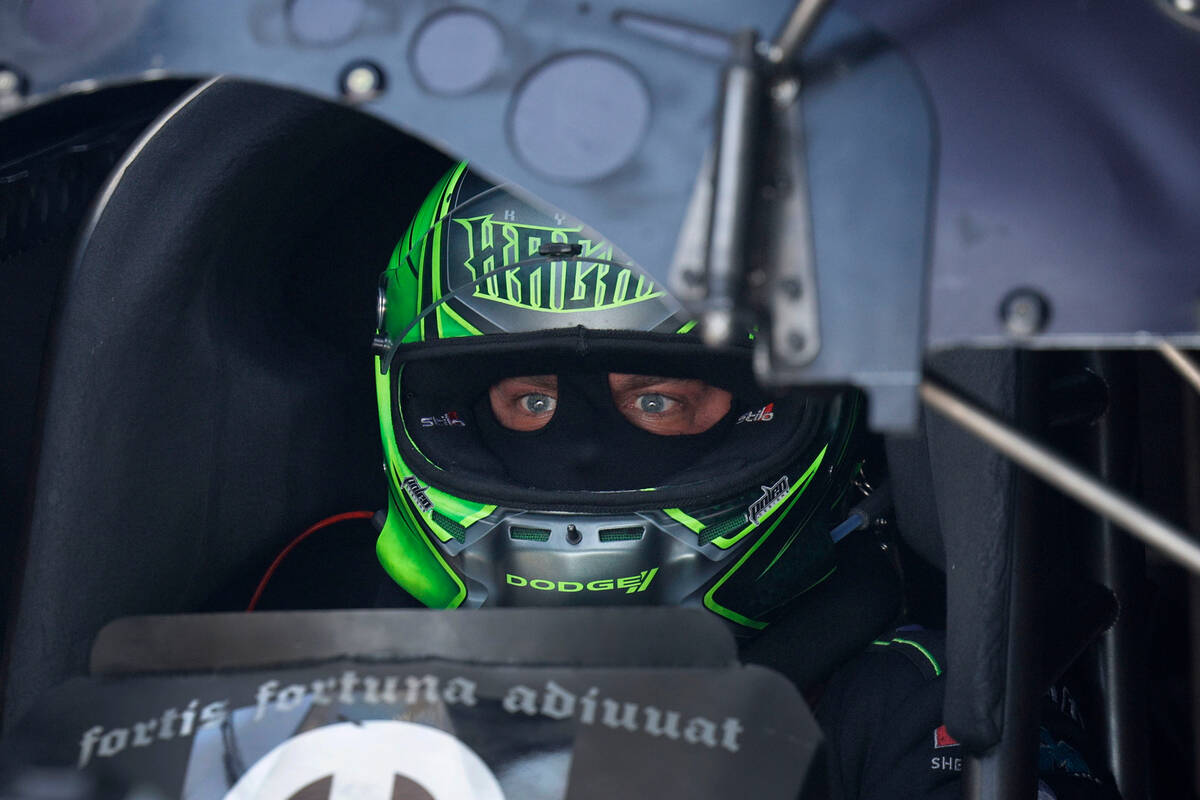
<point>529,534</point>
<point>622,534</point>
<point>722,527</point>
<point>450,526</point>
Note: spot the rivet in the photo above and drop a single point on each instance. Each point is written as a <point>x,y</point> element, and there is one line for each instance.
<point>361,81</point>
<point>1024,312</point>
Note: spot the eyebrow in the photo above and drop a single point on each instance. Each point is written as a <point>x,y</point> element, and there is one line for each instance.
<point>642,381</point>
<point>541,381</point>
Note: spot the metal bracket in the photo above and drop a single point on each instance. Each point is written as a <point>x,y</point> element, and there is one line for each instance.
<point>746,242</point>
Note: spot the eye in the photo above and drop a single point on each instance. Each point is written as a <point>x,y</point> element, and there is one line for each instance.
<point>654,403</point>
<point>538,403</point>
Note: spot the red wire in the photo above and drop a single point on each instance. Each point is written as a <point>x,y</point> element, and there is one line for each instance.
<point>262,585</point>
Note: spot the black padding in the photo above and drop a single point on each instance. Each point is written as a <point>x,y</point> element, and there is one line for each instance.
<point>579,637</point>
<point>210,393</point>
<point>55,157</point>
<point>913,497</point>
<point>829,624</point>
<point>974,486</point>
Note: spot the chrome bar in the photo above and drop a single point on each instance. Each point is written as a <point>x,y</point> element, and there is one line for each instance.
<point>733,179</point>
<point>1179,360</point>
<point>796,31</point>
<point>1067,478</point>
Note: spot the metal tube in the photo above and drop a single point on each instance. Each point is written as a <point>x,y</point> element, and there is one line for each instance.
<point>733,178</point>
<point>798,28</point>
<point>1184,365</point>
<point>1067,478</point>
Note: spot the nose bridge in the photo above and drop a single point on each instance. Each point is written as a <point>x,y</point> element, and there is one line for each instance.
<point>586,401</point>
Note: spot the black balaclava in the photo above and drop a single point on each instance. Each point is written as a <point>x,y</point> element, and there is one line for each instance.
<point>589,444</point>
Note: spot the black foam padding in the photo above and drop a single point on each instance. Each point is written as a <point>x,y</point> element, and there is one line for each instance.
<point>210,390</point>
<point>974,487</point>
<point>581,637</point>
<point>913,499</point>
<point>54,158</point>
<point>829,624</point>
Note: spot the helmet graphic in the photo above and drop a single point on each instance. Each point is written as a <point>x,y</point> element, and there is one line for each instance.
<point>534,457</point>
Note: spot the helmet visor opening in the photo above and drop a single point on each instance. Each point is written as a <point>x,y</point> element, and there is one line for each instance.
<point>601,430</point>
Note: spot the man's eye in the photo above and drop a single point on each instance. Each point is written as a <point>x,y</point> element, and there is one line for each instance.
<point>654,403</point>
<point>537,403</point>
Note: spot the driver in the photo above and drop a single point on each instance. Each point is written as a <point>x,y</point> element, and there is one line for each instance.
<point>555,433</point>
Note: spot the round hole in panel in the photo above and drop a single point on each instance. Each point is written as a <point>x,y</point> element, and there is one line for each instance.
<point>325,22</point>
<point>456,51</point>
<point>579,117</point>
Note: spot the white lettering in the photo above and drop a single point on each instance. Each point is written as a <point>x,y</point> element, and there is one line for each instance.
<point>557,703</point>
<point>700,731</point>
<point>522,699</point>
<point>459,690</point>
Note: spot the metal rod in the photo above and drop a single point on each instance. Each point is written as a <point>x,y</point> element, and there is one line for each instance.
<point>733,179</point>
<point>798,28</point>
<point>1072,481</point>
<point>1179,360</point>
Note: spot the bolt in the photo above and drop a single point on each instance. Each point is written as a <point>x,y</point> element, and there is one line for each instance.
<point>1024,312</point>
<point>796,341</point>
<point>717,327</point>
<point>692,277</point>
<point>784,92</point>
<point>573,535</point>
<point>10,82</point>
<point>792,288</point>
<point>13,86</point>
<point>362,81</point>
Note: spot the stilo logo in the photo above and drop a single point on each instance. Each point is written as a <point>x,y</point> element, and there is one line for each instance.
<point>772,496</point>
<point>448,420</point>
<point>764,414</point>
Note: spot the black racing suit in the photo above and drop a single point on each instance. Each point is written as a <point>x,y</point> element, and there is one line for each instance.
<point>882,717</point>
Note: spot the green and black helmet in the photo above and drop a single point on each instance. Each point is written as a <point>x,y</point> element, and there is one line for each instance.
<point>555,433</point>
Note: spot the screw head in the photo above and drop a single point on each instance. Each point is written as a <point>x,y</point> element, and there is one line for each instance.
<point>1024,312</point>
<point>362,81</point>
<point>13,84</point>
<point>796,340</point>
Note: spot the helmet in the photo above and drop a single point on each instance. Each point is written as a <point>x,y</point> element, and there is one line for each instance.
<point>488,285</point>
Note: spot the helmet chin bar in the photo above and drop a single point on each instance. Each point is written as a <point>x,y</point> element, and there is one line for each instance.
<point>593,559</point>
